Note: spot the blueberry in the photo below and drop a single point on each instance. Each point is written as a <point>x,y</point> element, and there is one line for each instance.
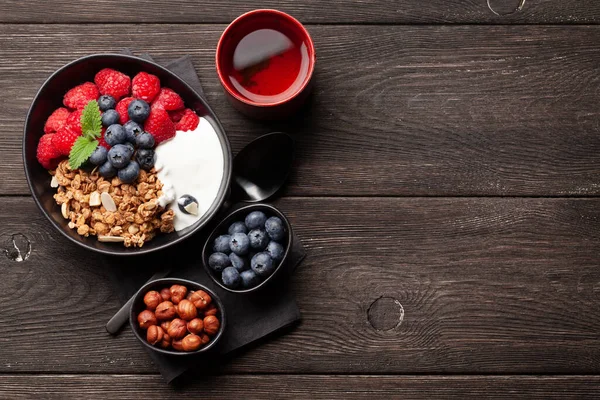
<point>115,134</point>
<point>262,264</point>
<point>107,170</point>
<point>138,110</point>
<point>258,239</point>
<point>237,227</point>
<point>275,250</point>
<point>119,156</point>
<point>132,131</point>
<point>144,140</point>
<point>130,173</point>
<point>106,102</point>
<point>146,158</point>
<point>218,261</point>
<point>256,219</point>
<point>99,155</point>
<point>275,228</point>
<point>187,203</point>
<point>231,277</point>
<point>131,147</point>
<point>240,263</point>
<point>221,244</point>
<point>239,244</point>
<point>249,279</point>
<point>110,117</point>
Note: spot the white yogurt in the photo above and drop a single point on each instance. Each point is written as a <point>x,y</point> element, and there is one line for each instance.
<point>190,163</point>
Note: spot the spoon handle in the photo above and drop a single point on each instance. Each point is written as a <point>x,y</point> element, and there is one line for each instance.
<point>114,325</point>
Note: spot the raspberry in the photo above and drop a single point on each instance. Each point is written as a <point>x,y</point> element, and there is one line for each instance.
<point>80,95</point>
<point>145,86</point>
<point>113,83</point>
<point>160,125</point>
<point>56,120</point>
<point>101,140</point>
<point>63,140</point>
<point>156,104</point>
<point>189,121</point>
<point>74,121</point>
<point>176,115</point>
<point>122,109</point>
<point>169,100</point>
<point>46,153</point>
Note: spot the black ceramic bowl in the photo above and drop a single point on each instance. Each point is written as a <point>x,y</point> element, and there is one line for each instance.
<point>50,97</point>
<point>239,215</point>
<point>138,306</point>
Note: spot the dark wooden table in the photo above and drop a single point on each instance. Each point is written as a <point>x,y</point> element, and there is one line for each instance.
<point>446,189</point>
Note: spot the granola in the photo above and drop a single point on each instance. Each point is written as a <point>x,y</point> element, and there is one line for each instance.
<point>112,210</point>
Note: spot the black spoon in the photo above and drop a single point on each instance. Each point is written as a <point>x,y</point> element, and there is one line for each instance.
<point>260,169</point>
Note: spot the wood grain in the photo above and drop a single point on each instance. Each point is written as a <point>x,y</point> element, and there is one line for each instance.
<point>397,110</point>
<point>308,11</point>
<point>124,387</point>
<point>487,285</point>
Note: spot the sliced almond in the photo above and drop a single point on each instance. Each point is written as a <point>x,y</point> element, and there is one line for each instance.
<point>64,210</point>
<point>192,208</point>
<point>111,239</point>
<point>71,224</point>
<point>108,202</point>
<point>95,199</point>
<point>54,182</point>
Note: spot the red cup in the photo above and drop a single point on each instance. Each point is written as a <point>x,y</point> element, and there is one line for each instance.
<point>233,34</point>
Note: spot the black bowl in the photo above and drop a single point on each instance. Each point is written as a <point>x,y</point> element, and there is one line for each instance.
<point>49,97</point>
<point>138,306</point>
<point>221,229</point>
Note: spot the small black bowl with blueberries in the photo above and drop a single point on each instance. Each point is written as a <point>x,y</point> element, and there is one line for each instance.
<point>247,249</point>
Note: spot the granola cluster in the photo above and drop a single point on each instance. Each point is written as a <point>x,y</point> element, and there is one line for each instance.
<point>110,209</point>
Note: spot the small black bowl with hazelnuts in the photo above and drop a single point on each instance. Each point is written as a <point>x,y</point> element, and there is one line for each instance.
<point>177,317</point>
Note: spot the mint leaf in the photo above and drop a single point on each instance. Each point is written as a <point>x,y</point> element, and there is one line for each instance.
<point>91,120</point>
<point>82,150</point>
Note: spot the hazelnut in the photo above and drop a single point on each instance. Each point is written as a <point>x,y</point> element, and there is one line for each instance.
<point>165,325</point>
<point>165,311</point>
<point>193,297</point>
<point>165,294</point>
<point>177,329</point>
<point>186,310</point>
<point>211,310</point>
<point>191,342</point>
<point>178,293</point>
<point>177,345</point>
<point>146,319</point>
<point>211,325</point>
<point>204,338</point>
<point>189,295</point>
<point>154,335</point>
<point>195,326</point>
<point>166,341</point>
<point>152,299</point>
<point>201,299</point>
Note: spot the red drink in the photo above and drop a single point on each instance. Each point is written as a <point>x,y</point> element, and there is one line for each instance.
<point>268,66</point>
<point>265,61</point>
